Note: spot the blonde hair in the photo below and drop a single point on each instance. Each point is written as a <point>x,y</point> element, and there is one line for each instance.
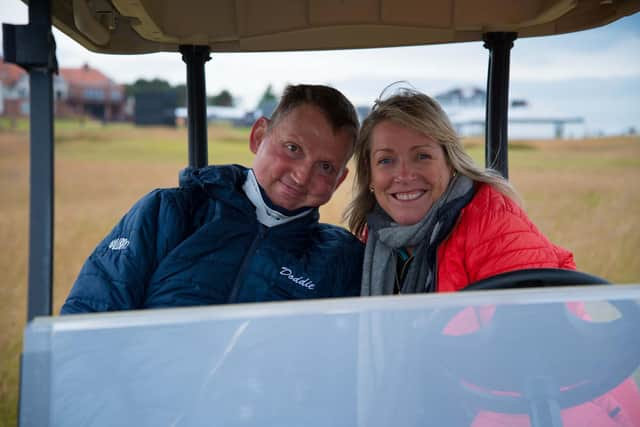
<point>422,114</point>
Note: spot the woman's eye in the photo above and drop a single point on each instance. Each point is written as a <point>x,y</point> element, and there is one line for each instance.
<point>384,161</point>
<point>292,147</point>
<point>423,156</point>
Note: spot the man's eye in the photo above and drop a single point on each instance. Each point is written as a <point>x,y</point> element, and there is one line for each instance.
<point>326,168</point>
<point>292,147</point>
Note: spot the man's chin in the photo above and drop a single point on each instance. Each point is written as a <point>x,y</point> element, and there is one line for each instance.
<point>294,205</point>
<point>288,203</point>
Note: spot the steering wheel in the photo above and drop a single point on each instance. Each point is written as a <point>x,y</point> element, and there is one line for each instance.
<point>564,361</point>
<point>534,278</point>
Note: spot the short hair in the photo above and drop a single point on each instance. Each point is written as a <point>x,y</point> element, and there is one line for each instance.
<point>414,110</point>
<point>338,110</point>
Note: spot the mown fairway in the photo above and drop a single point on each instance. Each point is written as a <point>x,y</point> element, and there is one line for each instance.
<point>584,194</point>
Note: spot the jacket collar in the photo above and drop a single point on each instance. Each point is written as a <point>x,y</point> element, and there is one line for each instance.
<point>265,210</point>
<point>225,184</point>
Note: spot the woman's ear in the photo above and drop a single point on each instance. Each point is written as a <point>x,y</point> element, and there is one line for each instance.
<point>258,132</point>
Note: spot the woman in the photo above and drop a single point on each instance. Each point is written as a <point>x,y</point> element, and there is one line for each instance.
<point>433,221</point>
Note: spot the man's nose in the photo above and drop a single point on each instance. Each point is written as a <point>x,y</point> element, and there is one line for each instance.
<point>301,173</point>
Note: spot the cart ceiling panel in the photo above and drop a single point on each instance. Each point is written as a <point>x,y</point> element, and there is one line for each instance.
<point>141,26</point>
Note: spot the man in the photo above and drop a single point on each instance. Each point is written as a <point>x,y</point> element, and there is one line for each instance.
<point>230,234</point>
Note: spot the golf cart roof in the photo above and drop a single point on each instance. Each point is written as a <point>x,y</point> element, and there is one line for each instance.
<point>144,26</point>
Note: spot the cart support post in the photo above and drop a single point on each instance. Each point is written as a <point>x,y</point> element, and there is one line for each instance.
<point>195,58</point>
<point>32,47</point>
<point>496,122</point>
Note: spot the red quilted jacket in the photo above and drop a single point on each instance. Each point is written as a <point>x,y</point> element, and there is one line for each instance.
<point>492,236</point>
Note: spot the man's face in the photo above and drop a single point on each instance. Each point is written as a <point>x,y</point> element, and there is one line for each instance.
<point>300,161</point>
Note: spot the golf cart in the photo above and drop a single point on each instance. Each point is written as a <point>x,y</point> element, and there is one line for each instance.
<point>373,361</point>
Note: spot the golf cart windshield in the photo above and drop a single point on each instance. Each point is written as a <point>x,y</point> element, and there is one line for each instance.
<point>417,360</point>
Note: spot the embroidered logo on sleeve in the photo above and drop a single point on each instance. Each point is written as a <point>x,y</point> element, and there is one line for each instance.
<point>300,280</point>
<point>119,244</point>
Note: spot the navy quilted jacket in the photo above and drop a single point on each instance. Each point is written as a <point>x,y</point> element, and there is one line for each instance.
<point>202,244</point>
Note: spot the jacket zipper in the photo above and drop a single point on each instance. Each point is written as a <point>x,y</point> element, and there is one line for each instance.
<point>233,295</point>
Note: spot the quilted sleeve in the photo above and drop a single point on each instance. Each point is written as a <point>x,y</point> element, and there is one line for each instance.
<point>115,275</point>
<point>504,239</point>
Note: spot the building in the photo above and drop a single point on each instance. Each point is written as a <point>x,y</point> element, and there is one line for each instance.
<point>463,97</point>
<point>14,100</point>
<point>156,107</point>
<point>90,92</point>
<point>77,92</point>
<point>465,107</point>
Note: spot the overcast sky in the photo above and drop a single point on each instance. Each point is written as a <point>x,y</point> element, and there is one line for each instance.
<point>603,54</point>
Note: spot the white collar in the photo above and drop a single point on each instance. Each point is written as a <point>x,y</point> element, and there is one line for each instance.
<point>266,215</point>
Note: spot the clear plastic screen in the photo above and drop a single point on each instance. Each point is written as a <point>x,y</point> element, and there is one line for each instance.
<point>446,359</point>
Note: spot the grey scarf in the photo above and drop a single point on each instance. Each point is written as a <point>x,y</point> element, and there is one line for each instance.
<point>385,236</point>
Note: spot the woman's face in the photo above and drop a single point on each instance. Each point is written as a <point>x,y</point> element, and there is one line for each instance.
<point>408,171</point>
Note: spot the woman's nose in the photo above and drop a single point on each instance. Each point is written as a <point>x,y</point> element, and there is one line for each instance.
<point>404,172</point>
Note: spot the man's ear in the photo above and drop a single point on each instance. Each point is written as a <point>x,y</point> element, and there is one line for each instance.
<point>258,132</point>
<point>342,177</point>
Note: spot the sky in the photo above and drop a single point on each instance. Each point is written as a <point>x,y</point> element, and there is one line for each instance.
<point>593,73</point>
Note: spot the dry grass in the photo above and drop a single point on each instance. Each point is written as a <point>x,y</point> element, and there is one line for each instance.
<point>583,194</point>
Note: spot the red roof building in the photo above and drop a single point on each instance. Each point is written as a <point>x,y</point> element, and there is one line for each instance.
<point>77,92</point>
<point>10,73</point>
<point>12,99</point>
<point>91,92</point>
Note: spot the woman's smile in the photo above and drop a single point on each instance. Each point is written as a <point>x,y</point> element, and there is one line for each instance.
<point>408,196</point>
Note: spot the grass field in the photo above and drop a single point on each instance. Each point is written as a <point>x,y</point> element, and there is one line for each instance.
<point>584,194</point>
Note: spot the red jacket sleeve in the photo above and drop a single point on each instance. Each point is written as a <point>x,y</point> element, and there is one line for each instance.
<point>494,235</point>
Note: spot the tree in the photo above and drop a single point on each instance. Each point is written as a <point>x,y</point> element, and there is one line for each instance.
<point>268,102</point>
<point>268,97</point>
<point>223,99</point>
<point>157,85</point>
<point>181,95</point>
<point>142,85</point>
